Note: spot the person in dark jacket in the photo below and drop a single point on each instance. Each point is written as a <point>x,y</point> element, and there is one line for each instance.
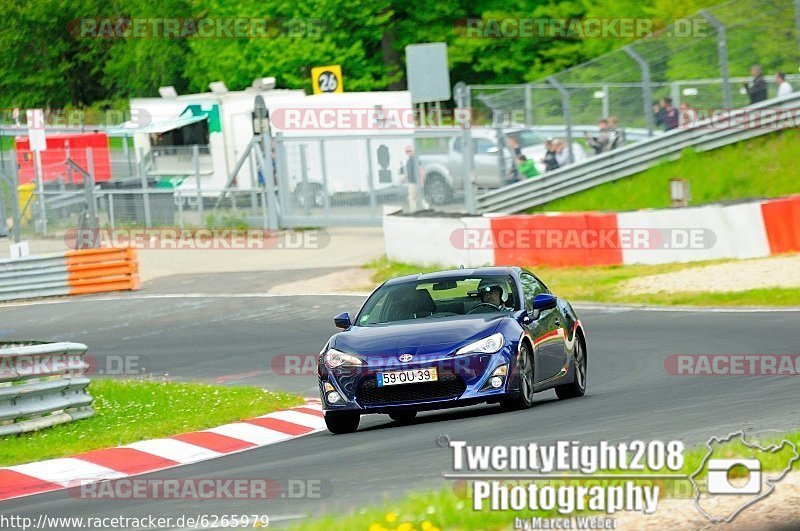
<point>549,159</point>
<point>671,115</point>
<point>756,87</point>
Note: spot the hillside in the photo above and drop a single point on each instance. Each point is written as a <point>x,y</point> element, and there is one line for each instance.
<point>762,167</point>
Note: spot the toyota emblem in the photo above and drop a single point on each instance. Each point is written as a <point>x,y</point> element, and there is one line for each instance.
<point>405,357</point>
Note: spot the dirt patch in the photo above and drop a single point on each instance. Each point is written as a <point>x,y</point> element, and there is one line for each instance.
<point>346,281</point>
<point>775,272</point>
<point>778,509</point>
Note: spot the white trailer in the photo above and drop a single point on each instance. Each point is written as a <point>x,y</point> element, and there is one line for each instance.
<point>164,129</point>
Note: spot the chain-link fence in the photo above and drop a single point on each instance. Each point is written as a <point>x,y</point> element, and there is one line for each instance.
<point>701,61</point>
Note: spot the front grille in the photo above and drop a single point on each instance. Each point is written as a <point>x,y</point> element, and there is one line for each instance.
<point>447,386</point>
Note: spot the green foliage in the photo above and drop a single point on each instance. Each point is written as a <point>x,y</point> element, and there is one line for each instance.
<point>52,57</point>
<point>134,410</point>
<point>762,167</point>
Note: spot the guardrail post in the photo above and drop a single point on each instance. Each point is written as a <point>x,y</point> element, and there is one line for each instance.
<point>88,188</point>
<point>196,159</point>
<point>304,179</point>
<point>529,104</point>
<point>15,213</point>
<point>37,166</point>
<point>566,111</point>
<point>797,20</point>
<point>647,88</point>
<point>326,195</point>
<point>3,222</point>
<point>469,186</point>
<point>145,191</point>
<point>722,53</point>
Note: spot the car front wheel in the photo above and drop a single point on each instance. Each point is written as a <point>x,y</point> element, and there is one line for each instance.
<point>524,399</point>
<point>342,421</point>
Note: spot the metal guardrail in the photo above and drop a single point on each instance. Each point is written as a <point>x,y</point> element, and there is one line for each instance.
<point>42,385</point>
<point>75,272</point>
<point>639,156</point>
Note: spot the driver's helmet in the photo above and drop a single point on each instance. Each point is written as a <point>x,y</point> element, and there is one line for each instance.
<point>488,284</point>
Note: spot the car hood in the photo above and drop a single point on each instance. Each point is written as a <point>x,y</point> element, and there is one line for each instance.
<point>420,336</point>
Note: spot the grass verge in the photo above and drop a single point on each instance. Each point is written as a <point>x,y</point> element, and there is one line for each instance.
<point>762,167</point>
<point>451,509</point>
<point>128,411</point>
<point>603,284</point>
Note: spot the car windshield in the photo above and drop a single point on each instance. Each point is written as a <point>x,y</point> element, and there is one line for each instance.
<point>527,138</point>
<point>439,297</point>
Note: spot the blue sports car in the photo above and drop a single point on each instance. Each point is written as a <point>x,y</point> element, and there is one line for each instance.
<point>451,339</point>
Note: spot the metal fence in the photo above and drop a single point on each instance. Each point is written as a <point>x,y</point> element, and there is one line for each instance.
<point>42,385</point>
<point>704,135</point>
<point>324,180</point>
<point>703,66</point>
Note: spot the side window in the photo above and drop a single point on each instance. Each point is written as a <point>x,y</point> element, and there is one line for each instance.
<point>531,288</point>
<point>481,145</point>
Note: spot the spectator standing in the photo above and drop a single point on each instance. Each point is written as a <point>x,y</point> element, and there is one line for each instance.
<point>671,117</point>
<point>784,87</point>
<point>688,115</point>
<point>658,114</point>
<point>413,173</point>
<point>756,87</point>
<point>616,134</point>
<point>526,167</point>
<point>562,153</point>
<point>549,160</point>
<point>598,143</point>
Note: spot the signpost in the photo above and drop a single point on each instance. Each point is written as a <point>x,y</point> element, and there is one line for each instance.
<point>327,79</point>
<point>38,143</point>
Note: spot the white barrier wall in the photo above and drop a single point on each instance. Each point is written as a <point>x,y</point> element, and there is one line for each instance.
<point>428,241</point>
<point>734,231</point>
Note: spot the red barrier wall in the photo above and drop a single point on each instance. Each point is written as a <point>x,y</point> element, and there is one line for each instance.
<point>782,221</point>
<point>53,165</point>
<point>561,240</point>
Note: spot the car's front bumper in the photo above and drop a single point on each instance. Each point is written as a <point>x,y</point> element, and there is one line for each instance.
<point>462,380</point>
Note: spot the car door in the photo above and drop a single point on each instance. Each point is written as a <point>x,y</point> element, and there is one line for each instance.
<point>487,163</point>
<point>546,331</point>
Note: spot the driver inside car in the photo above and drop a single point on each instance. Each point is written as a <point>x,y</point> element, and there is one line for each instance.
<point>492,292</point>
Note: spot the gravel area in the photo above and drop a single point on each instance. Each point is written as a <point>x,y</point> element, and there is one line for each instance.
<point>774,272</point>
<point>779,510</point>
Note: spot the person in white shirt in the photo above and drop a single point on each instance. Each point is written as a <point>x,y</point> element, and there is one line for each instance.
<point>784,87</point>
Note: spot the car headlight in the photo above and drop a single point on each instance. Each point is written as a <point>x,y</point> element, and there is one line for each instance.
<point>334,358</point>
<point>487,345</point>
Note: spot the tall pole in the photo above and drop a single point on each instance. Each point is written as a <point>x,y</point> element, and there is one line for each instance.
<point>647,89</point>
<point>722,54</point>
<point>566,111</point>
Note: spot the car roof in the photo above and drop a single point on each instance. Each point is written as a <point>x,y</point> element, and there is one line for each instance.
<point>455,273</point>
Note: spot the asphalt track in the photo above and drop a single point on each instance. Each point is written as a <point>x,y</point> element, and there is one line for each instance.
<point>191,330</point>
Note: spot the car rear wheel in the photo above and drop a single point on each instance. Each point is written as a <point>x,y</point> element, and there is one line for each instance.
<point>342,421</point>
<point>578,386</point>
<point>437,191</point>
<point>403,417</point>
<point>525,369</point>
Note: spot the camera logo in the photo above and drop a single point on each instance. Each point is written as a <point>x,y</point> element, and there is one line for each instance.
<point>720,478</point>
<point>737,472</point>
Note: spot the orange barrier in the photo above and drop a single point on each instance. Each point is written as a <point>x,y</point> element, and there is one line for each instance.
<point>102,270</point>
<point>579,239</point>
<point>782,222</point>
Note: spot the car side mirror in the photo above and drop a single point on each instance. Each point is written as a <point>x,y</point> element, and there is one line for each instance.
<point>342,320</point>
<point>544,301</point>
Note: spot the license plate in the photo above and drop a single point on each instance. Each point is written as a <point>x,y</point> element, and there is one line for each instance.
<point>407,377</point>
